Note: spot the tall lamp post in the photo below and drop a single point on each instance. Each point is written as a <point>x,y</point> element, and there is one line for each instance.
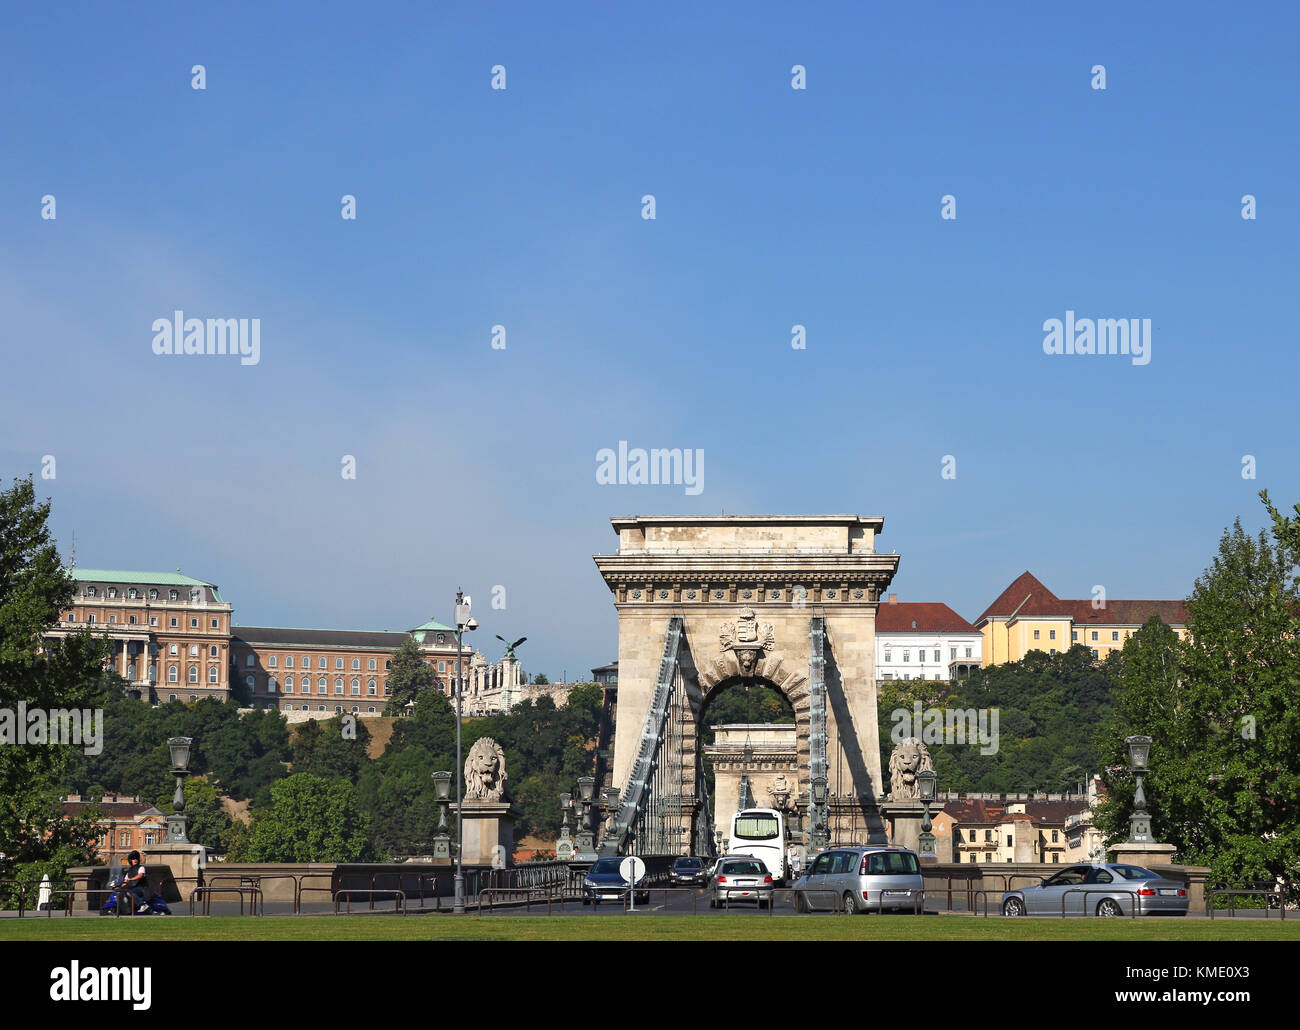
<point>819,823</point>
<point>463,623</point>
<point>926,792</point>
<point>1139,748</point>
<point>441,842</point>
<point>180,754</point>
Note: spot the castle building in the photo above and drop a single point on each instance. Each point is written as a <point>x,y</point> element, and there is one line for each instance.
<point>924,640</point>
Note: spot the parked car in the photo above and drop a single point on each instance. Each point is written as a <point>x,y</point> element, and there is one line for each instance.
<point>740,879</point>
<point>688,872</point>
<point>1103,889</point>
<point>604,882</point>
<point>862,878</point>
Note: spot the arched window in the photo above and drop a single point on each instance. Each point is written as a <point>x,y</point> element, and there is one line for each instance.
<point>172,595</point>
<point>153,594</point>
<point>92,591</point>
<point>321,687</point>
<point>356,686</point>
<point>271,685</point>
<point>356,664</point>
<point>130,673</point>
<point>370,687</point>
<point>212,674</point>
<point>288,684</point>
<point>112,592</point>
<point>250,682</point>
<point>172,675</point>
<point>338,684</point>
<point>194,674</point>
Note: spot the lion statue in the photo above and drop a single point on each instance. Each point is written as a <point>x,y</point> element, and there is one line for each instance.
<point>485,771</point>
<point>910,756</point>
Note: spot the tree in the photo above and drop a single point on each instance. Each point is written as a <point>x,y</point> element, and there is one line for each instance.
<point>541,680</point>
<point>311,819</point>
<point>41,673</point>
<point>1224,786</point>
<point>409,677</point>
<point>208,821</point>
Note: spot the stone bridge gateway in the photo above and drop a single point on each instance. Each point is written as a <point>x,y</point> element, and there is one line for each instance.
<point>706,602</point>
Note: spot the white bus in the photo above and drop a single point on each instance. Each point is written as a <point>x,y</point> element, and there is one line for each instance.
<point>760,833</point>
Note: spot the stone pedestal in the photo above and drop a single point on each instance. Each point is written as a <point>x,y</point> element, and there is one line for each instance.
<point>1146,855</point>
<point>488,833</point>
<point>903,821</point>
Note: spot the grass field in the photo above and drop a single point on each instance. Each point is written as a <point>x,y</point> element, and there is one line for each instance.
<point>639,928</point>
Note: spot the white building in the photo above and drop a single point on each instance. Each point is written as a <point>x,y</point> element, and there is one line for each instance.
<point>924,640</point>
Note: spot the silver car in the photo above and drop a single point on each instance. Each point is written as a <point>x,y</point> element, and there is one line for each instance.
<point>1103,889</point>
<point>740,879</point>
<point>863,878</point>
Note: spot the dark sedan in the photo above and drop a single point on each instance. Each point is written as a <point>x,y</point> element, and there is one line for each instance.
<point>688,872</point>
<point>604,882</point>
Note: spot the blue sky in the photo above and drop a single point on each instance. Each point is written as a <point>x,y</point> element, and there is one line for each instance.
<point>522,207</point>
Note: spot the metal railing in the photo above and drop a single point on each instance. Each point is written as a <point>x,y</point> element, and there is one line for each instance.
<point>22,886</point>
<point>1231,893</point>
<point>399,898</point>
<point>256,904</point>
<point>1085,891</point>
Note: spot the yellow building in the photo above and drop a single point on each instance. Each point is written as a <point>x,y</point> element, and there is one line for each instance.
<point>1029,617</point>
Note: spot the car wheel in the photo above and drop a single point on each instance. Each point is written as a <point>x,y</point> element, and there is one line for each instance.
<point>1013,907</point>
<point>850,904</point>
<point>800,904</point>
<point>1109,908</point>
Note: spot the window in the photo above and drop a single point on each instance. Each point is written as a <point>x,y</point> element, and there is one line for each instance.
<point>72,617</point>
<point>988,836</point>
<point>271,685</point>
<point>373,665</point>
<point>356,664</point>
<point>126,838</point>
<point>1056,857</point>
<point>194,623</point>
<point>153,674</point>
<point>907,656</point>
<point>356,686</point>
<point>172,595</point>
<point>130,673</point>
<point>271,662</point>
<point>1008,840</point>
<point>212,651</point>
<point>387,690</point>
<point>1074,634</point>
<point>153,594</point>
<point>250,682</point>
<point>952,653</point>
<point>1051,650</point>
<point>338,663</point>
<point>172,622</point>
<point>371,709</point>
<point>1114,634</point>
<point>338,684</point>
<point>387,664</point>
<point>194,674</point>
<point>1094,634</point>
<point>112,592</point>
<point>194,650</point>
<point>288,684</point>
<point>974,857</point>
<point>212,674</point>
<point>90,618</point>
<point>968,652</point>
<point>1035,634</point>
<point>131,620</point>
<point>92,592</point>
<point>936,654</point>
<point>1095,654</point>
<point>171,697</point>
<point>442,666</point>
<point>112,618</point>
<point>355,708</point>
<point>213,623</point>
<point>132,594</point>
<point>322,664</point>
<point>441,638</point>
<point>153,620</point>
<point>370,687</point>
<point>194,697</point>
<point>248,662</point>
<point>288,661</point>
<point>1051,634</point>
<point>1056,836</point>
<point>172,675</point>
<point>321,686</point>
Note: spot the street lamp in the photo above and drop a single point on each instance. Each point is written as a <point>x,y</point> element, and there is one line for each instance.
<point>441,842</point>
<point>926,784</point>
<point>180,748</point>
<point>818,821</point>
<point>463,623</point>
<point>1139,749</point>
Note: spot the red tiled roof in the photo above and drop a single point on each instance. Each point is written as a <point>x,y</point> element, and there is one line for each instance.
<point>111,809</point>
<point>929,616</point>
<point>1027,595</point>
<point>1129,613</point>
<point>968,812</point>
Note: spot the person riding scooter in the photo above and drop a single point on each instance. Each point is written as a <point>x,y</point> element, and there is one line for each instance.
<point>136,882</point>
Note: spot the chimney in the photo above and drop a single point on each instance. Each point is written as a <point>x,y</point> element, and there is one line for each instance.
<point>893,599</point>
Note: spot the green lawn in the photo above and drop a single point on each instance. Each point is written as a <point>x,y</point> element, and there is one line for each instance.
<point>638,927</point>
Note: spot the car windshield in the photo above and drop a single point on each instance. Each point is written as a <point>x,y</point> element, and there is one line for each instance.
<point>1135,872</point>
<point>606,866</point>
<point>742,868</point>
<point>684,864</point>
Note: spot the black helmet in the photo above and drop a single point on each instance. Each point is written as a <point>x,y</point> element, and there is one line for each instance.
<point>133,857</point>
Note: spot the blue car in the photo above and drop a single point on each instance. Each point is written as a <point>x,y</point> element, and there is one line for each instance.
<point>604,882</point>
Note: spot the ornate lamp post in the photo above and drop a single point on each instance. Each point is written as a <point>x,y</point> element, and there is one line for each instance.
<point>1139,748</point>
<point>564,846</point>
<point>463,623</point>
<point>180,754</point>
<point>818,823</point>
<point>586,831</point>
<point>926,792</point>
<point>441,841</point>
